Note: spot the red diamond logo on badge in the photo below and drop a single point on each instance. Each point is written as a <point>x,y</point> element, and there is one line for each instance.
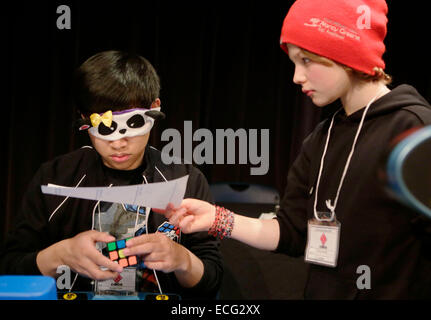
<point>117,279</point>
<point>323,239</point>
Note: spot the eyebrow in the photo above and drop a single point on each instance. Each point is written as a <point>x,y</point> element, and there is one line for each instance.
<point>295,56</point>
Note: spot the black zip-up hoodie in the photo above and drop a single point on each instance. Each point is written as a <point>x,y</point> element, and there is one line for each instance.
<point>376,230</point>
<point>37,227</point>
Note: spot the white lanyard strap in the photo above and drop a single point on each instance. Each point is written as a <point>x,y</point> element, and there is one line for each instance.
<point>328,202</point>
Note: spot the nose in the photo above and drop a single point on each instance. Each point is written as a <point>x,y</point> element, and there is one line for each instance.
<point>119,144</point>
<point>299,76</point>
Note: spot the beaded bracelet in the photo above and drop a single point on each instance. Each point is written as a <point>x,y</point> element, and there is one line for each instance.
<point>223,223</point>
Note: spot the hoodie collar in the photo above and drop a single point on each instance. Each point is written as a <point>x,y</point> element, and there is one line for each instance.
<point>399,97</point>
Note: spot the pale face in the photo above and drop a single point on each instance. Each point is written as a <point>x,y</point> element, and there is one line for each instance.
<point>122,154</point>
<point>323,84</point>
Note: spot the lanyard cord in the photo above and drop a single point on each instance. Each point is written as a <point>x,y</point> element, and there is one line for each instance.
<point>100,225</point>
<point>146,231</point>
<point>328,202</point>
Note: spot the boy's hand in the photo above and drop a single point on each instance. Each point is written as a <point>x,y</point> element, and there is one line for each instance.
<point>158,252</point>
<point>161,253</point>
<point>80,254</point>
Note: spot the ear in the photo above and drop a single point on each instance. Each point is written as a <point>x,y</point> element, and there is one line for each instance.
<point>156,103</point>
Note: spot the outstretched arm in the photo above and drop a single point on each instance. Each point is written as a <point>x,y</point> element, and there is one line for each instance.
<point>261,234</point>
<point>196,215</point>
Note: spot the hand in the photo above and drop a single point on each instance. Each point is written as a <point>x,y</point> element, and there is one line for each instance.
<point>158,252</point>
<point>192,216</point>
<point>80,254</point>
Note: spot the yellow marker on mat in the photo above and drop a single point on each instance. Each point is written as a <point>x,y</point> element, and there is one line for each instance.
<point>70,296</point>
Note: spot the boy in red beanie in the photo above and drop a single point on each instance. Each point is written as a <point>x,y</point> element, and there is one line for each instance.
<point>359,242</point>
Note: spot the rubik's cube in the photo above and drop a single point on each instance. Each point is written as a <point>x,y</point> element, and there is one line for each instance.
<point>114,251</point>
<point>169,230</point>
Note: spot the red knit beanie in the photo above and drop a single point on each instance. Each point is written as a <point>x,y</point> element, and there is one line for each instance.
<point>350,32</point>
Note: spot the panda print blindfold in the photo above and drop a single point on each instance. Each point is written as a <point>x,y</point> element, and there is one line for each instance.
<point>121,124</point>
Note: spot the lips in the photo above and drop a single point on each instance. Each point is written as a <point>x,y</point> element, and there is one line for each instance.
<point>120,157</point>
<point>308,92</point>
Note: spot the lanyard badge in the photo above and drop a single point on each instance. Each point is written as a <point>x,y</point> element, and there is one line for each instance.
<point>323,240</point>
<point>323,237</point>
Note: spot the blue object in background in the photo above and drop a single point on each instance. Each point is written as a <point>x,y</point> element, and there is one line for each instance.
<point>27,288</point>
<point>411,180</point>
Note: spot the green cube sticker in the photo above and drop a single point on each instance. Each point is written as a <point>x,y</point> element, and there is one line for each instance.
<point>111,246</point>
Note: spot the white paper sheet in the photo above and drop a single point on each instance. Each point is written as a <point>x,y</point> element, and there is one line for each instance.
<point>154,195</point>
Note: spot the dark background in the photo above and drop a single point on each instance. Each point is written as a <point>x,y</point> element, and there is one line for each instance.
<point>220,66</point>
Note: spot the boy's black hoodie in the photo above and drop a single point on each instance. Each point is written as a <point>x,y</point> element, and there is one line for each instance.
<point>36,229</point>
<point>376,230</point>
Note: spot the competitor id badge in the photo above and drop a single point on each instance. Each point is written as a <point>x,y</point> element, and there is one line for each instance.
<point>124,284</point>
<point>323,240</point>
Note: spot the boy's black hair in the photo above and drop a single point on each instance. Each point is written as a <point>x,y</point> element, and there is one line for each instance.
<point>115,80</point>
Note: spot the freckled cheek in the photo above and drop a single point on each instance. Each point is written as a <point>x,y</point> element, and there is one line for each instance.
<point>320,78</point>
